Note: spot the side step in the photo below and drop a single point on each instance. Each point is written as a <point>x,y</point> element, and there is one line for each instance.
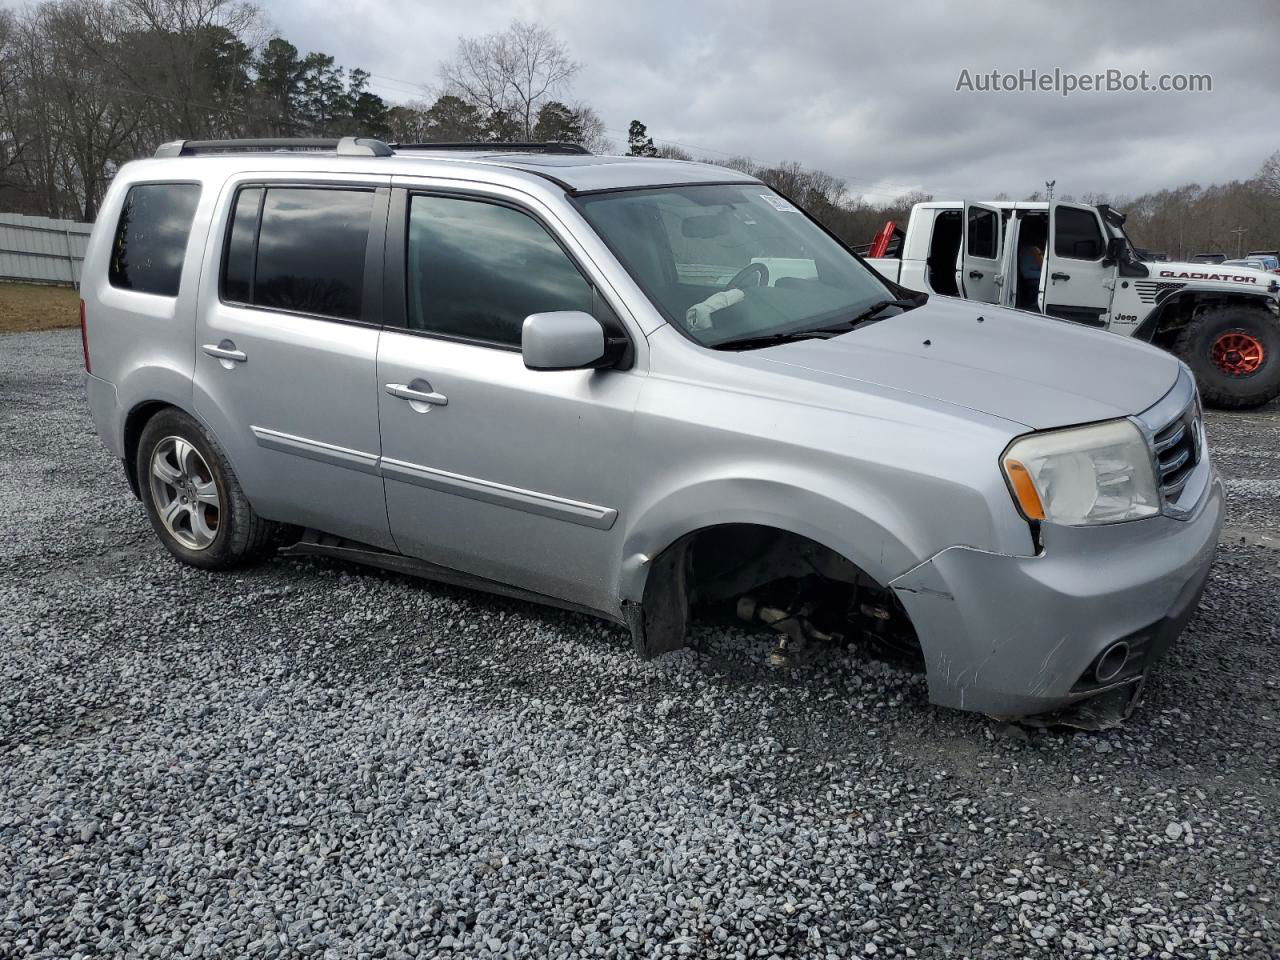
<point>317,544</point>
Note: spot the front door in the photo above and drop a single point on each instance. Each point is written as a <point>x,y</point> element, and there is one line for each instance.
<point>1076,281</point>
<point>980,274</point>
<point>286,347</point>
<point>502,472</point>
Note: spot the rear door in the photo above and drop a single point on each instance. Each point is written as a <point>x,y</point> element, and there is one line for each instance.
<point>979,276</point>
<point>286,348</point>
<point>1075,283</point>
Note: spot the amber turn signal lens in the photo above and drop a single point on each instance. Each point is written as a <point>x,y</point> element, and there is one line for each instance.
<point>1024,489</point>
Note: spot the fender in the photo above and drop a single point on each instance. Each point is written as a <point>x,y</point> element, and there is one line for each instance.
<point>1188,298</point>
<point>141,387</point>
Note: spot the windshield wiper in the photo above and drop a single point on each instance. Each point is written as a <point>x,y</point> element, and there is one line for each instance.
<point>771,339</point>
<point>871,311</point>
<point>819,333</point>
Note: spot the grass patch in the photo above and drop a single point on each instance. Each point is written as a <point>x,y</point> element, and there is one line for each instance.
<point>34,306</point>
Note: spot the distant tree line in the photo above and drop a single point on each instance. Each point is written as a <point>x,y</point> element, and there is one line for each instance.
<point>86,85</point>
<point>1179,222</point>
<point>1229,218</point>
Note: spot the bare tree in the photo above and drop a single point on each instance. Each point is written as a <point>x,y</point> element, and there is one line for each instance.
<point>510,74</point>
<point>84,119</point>
<point>193,53</point>
<point>671,151</point>
<point>1269,175</point>
<point>594,137</point>
<point>15,131</point>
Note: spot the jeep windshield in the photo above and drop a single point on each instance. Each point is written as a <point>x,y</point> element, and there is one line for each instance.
<point>737,266</point>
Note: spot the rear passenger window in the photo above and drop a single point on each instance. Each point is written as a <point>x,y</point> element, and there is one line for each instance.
<point>305,252</point>
<point>1076,234</point>
<point>151,237</point>
<point>477,269</point>
<point>983,228</point>
<point>237,270</point>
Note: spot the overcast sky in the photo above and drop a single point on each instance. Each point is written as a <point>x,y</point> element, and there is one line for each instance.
<point>867,91</point>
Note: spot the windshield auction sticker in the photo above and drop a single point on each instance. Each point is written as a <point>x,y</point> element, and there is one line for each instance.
<point>778,203</point>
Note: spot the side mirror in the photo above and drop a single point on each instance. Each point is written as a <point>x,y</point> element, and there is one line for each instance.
<point>563,340</point>
<point>1116,248</point>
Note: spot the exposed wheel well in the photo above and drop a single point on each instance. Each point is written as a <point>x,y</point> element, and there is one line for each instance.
<point>756,572</point>
<point>133,427</point>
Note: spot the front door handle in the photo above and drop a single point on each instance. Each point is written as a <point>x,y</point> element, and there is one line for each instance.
<point>419,391</point>
<point>976,274</point>
<point>1064,277</point>
<point>226,350</point>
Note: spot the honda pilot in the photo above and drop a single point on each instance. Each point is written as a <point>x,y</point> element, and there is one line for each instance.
<point>645,389</point>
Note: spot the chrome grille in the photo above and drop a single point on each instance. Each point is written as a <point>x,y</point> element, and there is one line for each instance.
<point>1178,451</point>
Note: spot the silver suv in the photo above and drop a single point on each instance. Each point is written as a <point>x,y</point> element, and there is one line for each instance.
<point>644,389</point>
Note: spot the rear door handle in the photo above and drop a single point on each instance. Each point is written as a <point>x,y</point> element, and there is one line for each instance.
<point>226,350</point>
<point>419,391</point>
<point>1061,276</point>
<point>976,274</point>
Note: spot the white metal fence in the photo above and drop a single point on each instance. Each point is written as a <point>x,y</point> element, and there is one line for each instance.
<point>42,250</point>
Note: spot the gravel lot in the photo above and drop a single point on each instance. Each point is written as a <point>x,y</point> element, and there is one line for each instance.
<point>308,759</point>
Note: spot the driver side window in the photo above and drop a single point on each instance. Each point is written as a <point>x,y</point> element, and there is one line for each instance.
<point>1076,234</point>
<point>477,269</point>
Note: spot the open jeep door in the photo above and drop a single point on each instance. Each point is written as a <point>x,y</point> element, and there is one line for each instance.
<point>979,275</point>
<point>1076,281</point>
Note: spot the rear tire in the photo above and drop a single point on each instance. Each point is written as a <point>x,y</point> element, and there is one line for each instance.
<point>193,499</point>
<point>1234,353</point>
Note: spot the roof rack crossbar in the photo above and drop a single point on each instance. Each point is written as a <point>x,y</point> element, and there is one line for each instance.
<point>519,146</point>
<point>344,147</point>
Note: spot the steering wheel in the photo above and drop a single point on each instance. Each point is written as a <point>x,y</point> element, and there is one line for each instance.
<point>741,278</point>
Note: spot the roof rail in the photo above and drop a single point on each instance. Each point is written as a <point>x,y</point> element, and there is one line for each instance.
<point>345,147</point>
<point>517,146</point>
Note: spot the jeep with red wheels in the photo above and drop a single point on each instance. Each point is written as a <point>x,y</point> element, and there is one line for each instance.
<point>1076,262</point>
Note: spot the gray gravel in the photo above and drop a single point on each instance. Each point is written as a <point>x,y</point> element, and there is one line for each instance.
<point>308,759</point>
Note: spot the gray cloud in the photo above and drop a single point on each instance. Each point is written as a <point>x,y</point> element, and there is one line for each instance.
<point>867,92</point>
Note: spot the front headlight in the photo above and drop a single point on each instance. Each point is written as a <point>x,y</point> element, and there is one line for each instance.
<point>1083,475</point>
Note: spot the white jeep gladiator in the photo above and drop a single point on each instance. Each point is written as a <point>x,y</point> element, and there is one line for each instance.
<point>1075,262</point>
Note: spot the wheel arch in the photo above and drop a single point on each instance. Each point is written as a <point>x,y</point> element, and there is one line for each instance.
<point>1163,325</point>
<point>135,421</point>
<point>652,585</point>
<point>142,391</point>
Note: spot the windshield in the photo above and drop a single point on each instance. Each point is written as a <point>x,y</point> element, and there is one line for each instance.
<point>728,263</point>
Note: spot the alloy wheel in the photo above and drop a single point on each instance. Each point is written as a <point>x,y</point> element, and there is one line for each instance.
<point>1238,354</point>
<point>184,493</point>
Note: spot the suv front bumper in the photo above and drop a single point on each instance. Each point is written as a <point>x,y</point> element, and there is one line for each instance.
<point>1017,636</point>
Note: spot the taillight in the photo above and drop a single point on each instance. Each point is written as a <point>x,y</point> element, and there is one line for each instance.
<point>84,339</point>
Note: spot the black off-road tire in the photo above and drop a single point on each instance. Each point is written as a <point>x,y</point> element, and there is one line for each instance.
<point>1220,386</point>
<point>239,535</point>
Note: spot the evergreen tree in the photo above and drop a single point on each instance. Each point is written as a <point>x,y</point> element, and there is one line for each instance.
<point>639,143</point>
<point>451,119</point>
<point>366,112</point>
<point>279,87</point>
<point>557,123</point>
<point>323,95</point>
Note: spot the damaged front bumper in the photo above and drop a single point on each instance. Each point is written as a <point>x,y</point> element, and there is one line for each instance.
<point>1020,636</point>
